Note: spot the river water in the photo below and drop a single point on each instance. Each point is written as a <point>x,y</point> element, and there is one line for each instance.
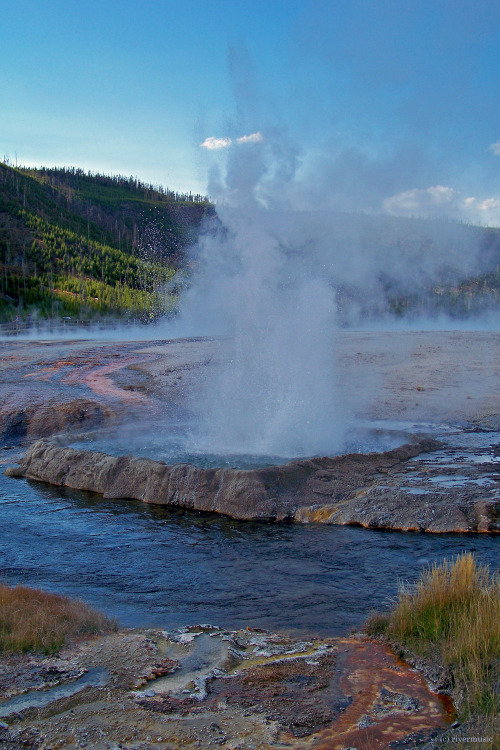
<point>149,566</point>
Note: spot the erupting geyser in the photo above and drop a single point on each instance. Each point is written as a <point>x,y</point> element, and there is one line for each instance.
<point>274,392</point>
<point>271,277</point>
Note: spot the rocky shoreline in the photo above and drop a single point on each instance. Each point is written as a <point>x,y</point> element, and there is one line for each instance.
<point>374,490</point>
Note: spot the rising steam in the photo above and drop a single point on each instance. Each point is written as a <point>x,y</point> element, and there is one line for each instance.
<point>275,284</point>
<point>274,393</point>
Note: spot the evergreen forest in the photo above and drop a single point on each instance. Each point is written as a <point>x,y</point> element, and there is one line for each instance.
<point>78,245</point>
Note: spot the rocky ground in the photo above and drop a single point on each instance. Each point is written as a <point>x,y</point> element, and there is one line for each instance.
<point>202,687</point>
<point>437,377</point>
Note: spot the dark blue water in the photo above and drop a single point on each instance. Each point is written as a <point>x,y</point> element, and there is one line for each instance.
<point>150,566</point>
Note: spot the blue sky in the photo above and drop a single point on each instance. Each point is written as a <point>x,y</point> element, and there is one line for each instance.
<point>377,105</point>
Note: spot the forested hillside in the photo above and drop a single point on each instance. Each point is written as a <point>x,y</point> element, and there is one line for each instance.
<point>87,246</point>
<point>84,245</point>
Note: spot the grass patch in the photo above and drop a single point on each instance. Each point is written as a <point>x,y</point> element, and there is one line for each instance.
<point>34,620</point>
<point>451,617</point>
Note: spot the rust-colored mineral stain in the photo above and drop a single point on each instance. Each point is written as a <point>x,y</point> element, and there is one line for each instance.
<point>322,514</point>
<point>291,690</point>
<point>100,382</point>
<point>96,376</point>
<point>92,372</point>
<point>448,707</point>
<point>46,373</point>
<point>388,698</point>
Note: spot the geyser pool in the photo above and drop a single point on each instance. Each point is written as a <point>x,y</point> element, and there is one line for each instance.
<point>171,441</point>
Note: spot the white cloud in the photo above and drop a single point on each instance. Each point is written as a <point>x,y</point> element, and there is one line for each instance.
<point>421,201</point>
<point>215,144</point>
<point>495,147</point>
<point>483,211</point>
<point>489,204</point>
<point>252,138</point>
<point>439,201</point>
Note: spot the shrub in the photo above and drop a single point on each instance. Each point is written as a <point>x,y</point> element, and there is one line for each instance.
<point>34,620</point>
<point>452,615</point>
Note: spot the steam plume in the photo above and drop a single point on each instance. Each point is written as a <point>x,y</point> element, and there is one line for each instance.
<point>276,282</point>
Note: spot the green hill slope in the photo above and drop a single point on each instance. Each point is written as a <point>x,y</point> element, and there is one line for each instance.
<point>83,245</point>
<point>89,246</point>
